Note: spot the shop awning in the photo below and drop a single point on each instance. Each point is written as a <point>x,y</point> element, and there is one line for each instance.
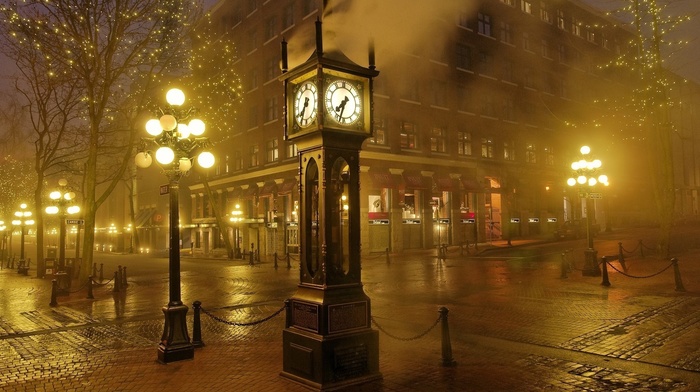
<point>471,184</point>
<point>446,184</point>
<point>288,186</point>
<point>381,179</point>
<point>143,216</point>
<point>416,181</point>
<point>268,189</point>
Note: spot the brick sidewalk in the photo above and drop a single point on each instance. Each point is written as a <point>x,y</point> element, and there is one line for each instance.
<point>514,325</point>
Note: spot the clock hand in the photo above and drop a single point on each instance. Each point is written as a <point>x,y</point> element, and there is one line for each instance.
<point>306,104</point>
<point>341,107</point>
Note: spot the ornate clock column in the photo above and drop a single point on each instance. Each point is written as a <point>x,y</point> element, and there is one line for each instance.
<point>328,340</point>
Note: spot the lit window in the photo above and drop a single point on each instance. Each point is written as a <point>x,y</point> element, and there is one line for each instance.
<point>464,143</point>
<point>437,140</point>
<point>408,136</point>
<point>486,148</point>
<point>526,7</point>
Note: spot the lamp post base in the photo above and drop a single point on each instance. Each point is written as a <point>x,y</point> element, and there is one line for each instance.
<point>175,344</point>
<point>590,267</point>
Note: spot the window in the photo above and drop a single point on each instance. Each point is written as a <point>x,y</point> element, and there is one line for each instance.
<point>529,78</point>
<point>509,150</point>
<point>545,15</point>
<point>485,63</point>
<point>484,26</point>
<point>272,109</point>
<point>530,153</point>
<point>605,42</point>
<point>545,49</point>
<point>379,137</point>
<point>548,156</point>
<point>408,136</point>
<point>288,16</point>
<point>292,150</point>
<point>437,140</point>
<point>463,20</point>
<point>464,99</point>
<point>575,27</point>
<point>272,69</point>
<point>464,143</point>
<point>253,116</point>
<point>548,83</point>
<point>590,36</point>
<point>561,22</point>
<point>486,148</point>
<point>252,40</point>
<point>526,7</point>
<point>410,91</point>
<point>506,33</point>
<point>527,45</point>
<point>237,160</point>
<point>464,57</point>
<point>509,109</point>
<point>270,28</point>
<point>254,150</point>
<point>227,163</point>
<point>507,68</point>
<point>487,107</point>
<point>253,79</point>
<point>272,150</point>
<point>252,6</point>
<point>508,2</point>
<point>439,90</point>
<point>563,54</point>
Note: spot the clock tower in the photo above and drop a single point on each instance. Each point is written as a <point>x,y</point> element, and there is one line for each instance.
<point>328,340</point>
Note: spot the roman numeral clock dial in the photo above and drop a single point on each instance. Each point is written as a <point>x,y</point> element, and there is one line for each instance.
<point>343,102</point>
<point>305,104</point>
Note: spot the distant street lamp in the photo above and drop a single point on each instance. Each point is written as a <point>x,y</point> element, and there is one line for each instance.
<point>63,200</point>
<point>176,145</point>
<point>236,218</point>
<point>586,178</point>
<point>24,218</point>
<point>3,246</point>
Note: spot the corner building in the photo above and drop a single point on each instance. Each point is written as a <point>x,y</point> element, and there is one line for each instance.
<point>472,133</point>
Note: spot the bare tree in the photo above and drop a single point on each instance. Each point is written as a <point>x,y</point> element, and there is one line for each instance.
<point>114,51</point>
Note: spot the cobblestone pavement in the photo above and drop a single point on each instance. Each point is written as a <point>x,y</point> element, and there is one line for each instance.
<point>515,324</point>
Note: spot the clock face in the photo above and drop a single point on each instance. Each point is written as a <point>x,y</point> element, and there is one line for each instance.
<point>343,102</point>
<point>305,104</point>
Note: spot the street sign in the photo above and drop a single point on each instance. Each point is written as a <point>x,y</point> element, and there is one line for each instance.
<point>595,195</point>
<point>164,189</point>
<point>75,221</point>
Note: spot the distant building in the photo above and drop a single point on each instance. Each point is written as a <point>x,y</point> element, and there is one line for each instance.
<point>474,128</point>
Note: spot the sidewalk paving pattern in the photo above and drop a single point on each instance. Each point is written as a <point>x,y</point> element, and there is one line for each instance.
<point>515,325</point>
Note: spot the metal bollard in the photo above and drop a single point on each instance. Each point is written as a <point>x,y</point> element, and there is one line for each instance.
<point>197,325</point>
<point>564,268</point>
<point>124,282</point>
<point>89,286</point>
<point>388,260</point>
<point>54,293</point>
<point>115,289</point>
<point>677,275</point>
<point>119,277</point>
<point>621,257</point>
<point>94,269</point>
<point>606,281</point>
<point>275,260</point>
<point>447,359</point>
<point>289,261</point>
<point>102,268</point>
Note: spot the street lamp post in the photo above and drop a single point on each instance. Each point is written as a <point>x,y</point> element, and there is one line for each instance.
<point>236,218</point>
<point>586,178</point>
<point>24,218</point>
<point>63,200</point>
<point>176,145</point>
<point>3,230</point>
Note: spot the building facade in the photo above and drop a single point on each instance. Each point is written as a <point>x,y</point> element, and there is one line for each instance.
<point>474,130</point>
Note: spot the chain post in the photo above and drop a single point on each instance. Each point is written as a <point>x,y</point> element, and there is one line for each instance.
<point>124,283</point>
<point>677,275</point>
<point>447,359</point>
<point>563,267</point>
<point>197,325</point>
<point>606,281</point>
<point>54,292</point>
<point>115,289</point>
<point>89,286</point>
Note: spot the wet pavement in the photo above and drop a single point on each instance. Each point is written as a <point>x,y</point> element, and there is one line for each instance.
<point>517,322</point>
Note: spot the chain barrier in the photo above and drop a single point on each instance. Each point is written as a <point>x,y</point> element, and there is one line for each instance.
<point>639,277</point>
<point>420,335</point>
<point>630,251</point>
<point>102,284</point>
<point>235,324</point>
<point>78,289</point>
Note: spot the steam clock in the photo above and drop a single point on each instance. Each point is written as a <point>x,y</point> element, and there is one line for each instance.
<point>328,339</point>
